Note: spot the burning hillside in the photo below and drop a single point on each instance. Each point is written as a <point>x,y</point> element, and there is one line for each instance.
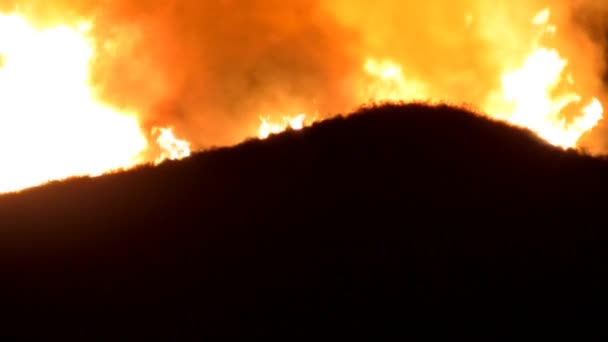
<point>89,87</point>
<point>390,220</point>
<point>51,124</point>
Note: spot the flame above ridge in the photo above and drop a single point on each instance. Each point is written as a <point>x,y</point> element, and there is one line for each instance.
<point>75,101</point>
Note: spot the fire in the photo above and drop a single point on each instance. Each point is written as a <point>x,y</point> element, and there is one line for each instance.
<point>51,126</point>
<point>529,90</point>
<point>542,18</point>
<point>537,94</point>
<point>389,83</point>
<point>268,127</point>
<point>527,98</point>
<point>172,147</point>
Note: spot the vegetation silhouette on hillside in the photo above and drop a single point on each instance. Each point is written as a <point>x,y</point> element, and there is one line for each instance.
<point>383,221</point>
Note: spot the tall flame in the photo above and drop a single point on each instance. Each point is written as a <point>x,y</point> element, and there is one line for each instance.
<point>268,127</point>
<point>527,97</point>
<point>529,91</point>
<point>51,125</point>
<point>172,147</point>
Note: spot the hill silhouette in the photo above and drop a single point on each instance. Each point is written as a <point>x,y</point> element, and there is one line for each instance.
<point>400,220</point>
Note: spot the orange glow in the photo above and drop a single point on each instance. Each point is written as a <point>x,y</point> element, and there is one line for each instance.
<point>527,97</point>
<point>529,91</point>
<point>535,90</point>
<point>51,126</point>
<point>268,127</point>
<point>389,84</point>
<point>172,147</point>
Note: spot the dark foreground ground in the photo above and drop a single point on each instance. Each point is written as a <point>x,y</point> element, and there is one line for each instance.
<point>400,220</point>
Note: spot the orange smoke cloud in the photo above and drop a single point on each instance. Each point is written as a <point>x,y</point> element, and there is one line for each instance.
<point>211,68</point>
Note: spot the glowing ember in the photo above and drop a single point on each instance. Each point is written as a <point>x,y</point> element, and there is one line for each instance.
<point>51,126</point>
<point>172,147</point>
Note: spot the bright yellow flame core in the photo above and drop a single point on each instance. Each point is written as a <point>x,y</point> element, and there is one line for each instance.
<point>530,89</point>
<point>527,96</point>
<point>172,147</point>
<point>51,125</point>
<point>389,83</point>
<point>268,127</point>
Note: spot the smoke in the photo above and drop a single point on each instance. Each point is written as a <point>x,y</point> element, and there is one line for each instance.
<point>461,48</point>
<point>210,68</point>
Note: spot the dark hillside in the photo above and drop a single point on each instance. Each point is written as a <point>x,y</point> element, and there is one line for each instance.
<point>396,220</point>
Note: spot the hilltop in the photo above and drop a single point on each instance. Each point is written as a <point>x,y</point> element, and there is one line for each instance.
<point>398,219</point>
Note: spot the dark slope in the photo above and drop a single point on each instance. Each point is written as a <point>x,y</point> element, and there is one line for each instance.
<point>379,223</point>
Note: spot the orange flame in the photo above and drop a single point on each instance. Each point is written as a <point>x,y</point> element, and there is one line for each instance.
<point>51,126</point>
<point>389,83</point>
<point>527,97</point>
<point>172,147</point>
<point>268,127</point>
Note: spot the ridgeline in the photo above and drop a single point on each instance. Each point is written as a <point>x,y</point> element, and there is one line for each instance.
<point>399,220</point>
